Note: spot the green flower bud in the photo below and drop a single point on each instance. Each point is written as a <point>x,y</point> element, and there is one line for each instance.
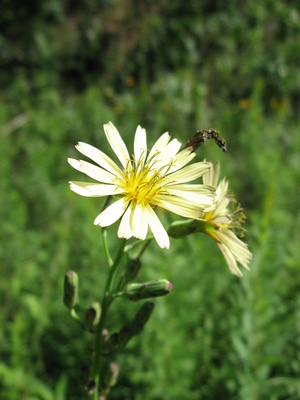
<point>132,269</point>
<point>142,317</point>
<point>125,335</point>
<point>138,291</point>
<point>92,316</point>
<point>70,289</point>
<point>119,340</point>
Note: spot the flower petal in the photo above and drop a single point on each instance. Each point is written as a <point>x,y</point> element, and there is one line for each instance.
<point>197,188</point>
<point>139,222</point>
<point>125,230</point>
<point>117,143</point>
<point>221,219</point>
<point>79,188</point>
<point>238,248</point>
<point>181,159</point>
<point>221,208</point>
<point>140,146</point>
<point>217,174</point>
<point>94,172</point>
<point>200,194</point>
<point>199,198</point>
<point>100,158</point>
<point>179,206</point>
<point>94,189</point>
<point>212,176</point>
<point>187,174</point>
<point>157,228</point>
<point>167,154</point>
<point>159,145</point>
<point>111,214</point>
<point>231,262</point>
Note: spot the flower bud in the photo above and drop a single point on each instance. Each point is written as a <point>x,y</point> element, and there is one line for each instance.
<point>119,340</point>
<point>142,317</point>
<point>125,335</point>
<point>138,291</point>
<point>92,316</point>
<point>70,289</point>
<point>132,269</point>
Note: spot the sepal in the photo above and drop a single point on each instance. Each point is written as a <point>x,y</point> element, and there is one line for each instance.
<point>92,316</point>
<point>183,228</point>
<point>70,289</point>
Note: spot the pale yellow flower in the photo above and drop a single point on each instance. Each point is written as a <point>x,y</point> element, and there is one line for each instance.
<point>223,223</point>
<point>145,180</point>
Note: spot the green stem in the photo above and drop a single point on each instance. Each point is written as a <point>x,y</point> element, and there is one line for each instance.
<point>144,247</point>
<point>133,245</point>
<point>106,302</point>
<point>106,250</point>
<point>104,237</point>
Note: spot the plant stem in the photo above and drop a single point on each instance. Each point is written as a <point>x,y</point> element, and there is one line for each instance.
<point>144,248</point>
<point>106,302</point>
<point>104,237</point>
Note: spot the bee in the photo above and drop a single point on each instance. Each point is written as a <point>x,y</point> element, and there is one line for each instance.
<point>202,136</point>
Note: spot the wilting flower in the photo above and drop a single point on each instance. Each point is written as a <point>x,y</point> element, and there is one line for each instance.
<point>147,179</point>
<point>222,223</point>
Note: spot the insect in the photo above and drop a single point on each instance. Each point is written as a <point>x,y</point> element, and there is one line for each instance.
<point>202,136</point>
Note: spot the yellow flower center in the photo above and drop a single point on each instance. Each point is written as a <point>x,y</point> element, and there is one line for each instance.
<point>143,182</point>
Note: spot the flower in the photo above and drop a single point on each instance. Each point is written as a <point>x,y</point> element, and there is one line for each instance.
<point>222,224</point>
<point>145,180</point>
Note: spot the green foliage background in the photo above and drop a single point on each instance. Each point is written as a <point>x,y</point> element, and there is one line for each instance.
<point>67,68</point>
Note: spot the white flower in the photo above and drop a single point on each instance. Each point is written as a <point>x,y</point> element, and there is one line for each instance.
<point>223,224</point>
<point>144,181</point>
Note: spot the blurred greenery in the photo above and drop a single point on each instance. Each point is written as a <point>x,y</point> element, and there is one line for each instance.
<point>67,68</point>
